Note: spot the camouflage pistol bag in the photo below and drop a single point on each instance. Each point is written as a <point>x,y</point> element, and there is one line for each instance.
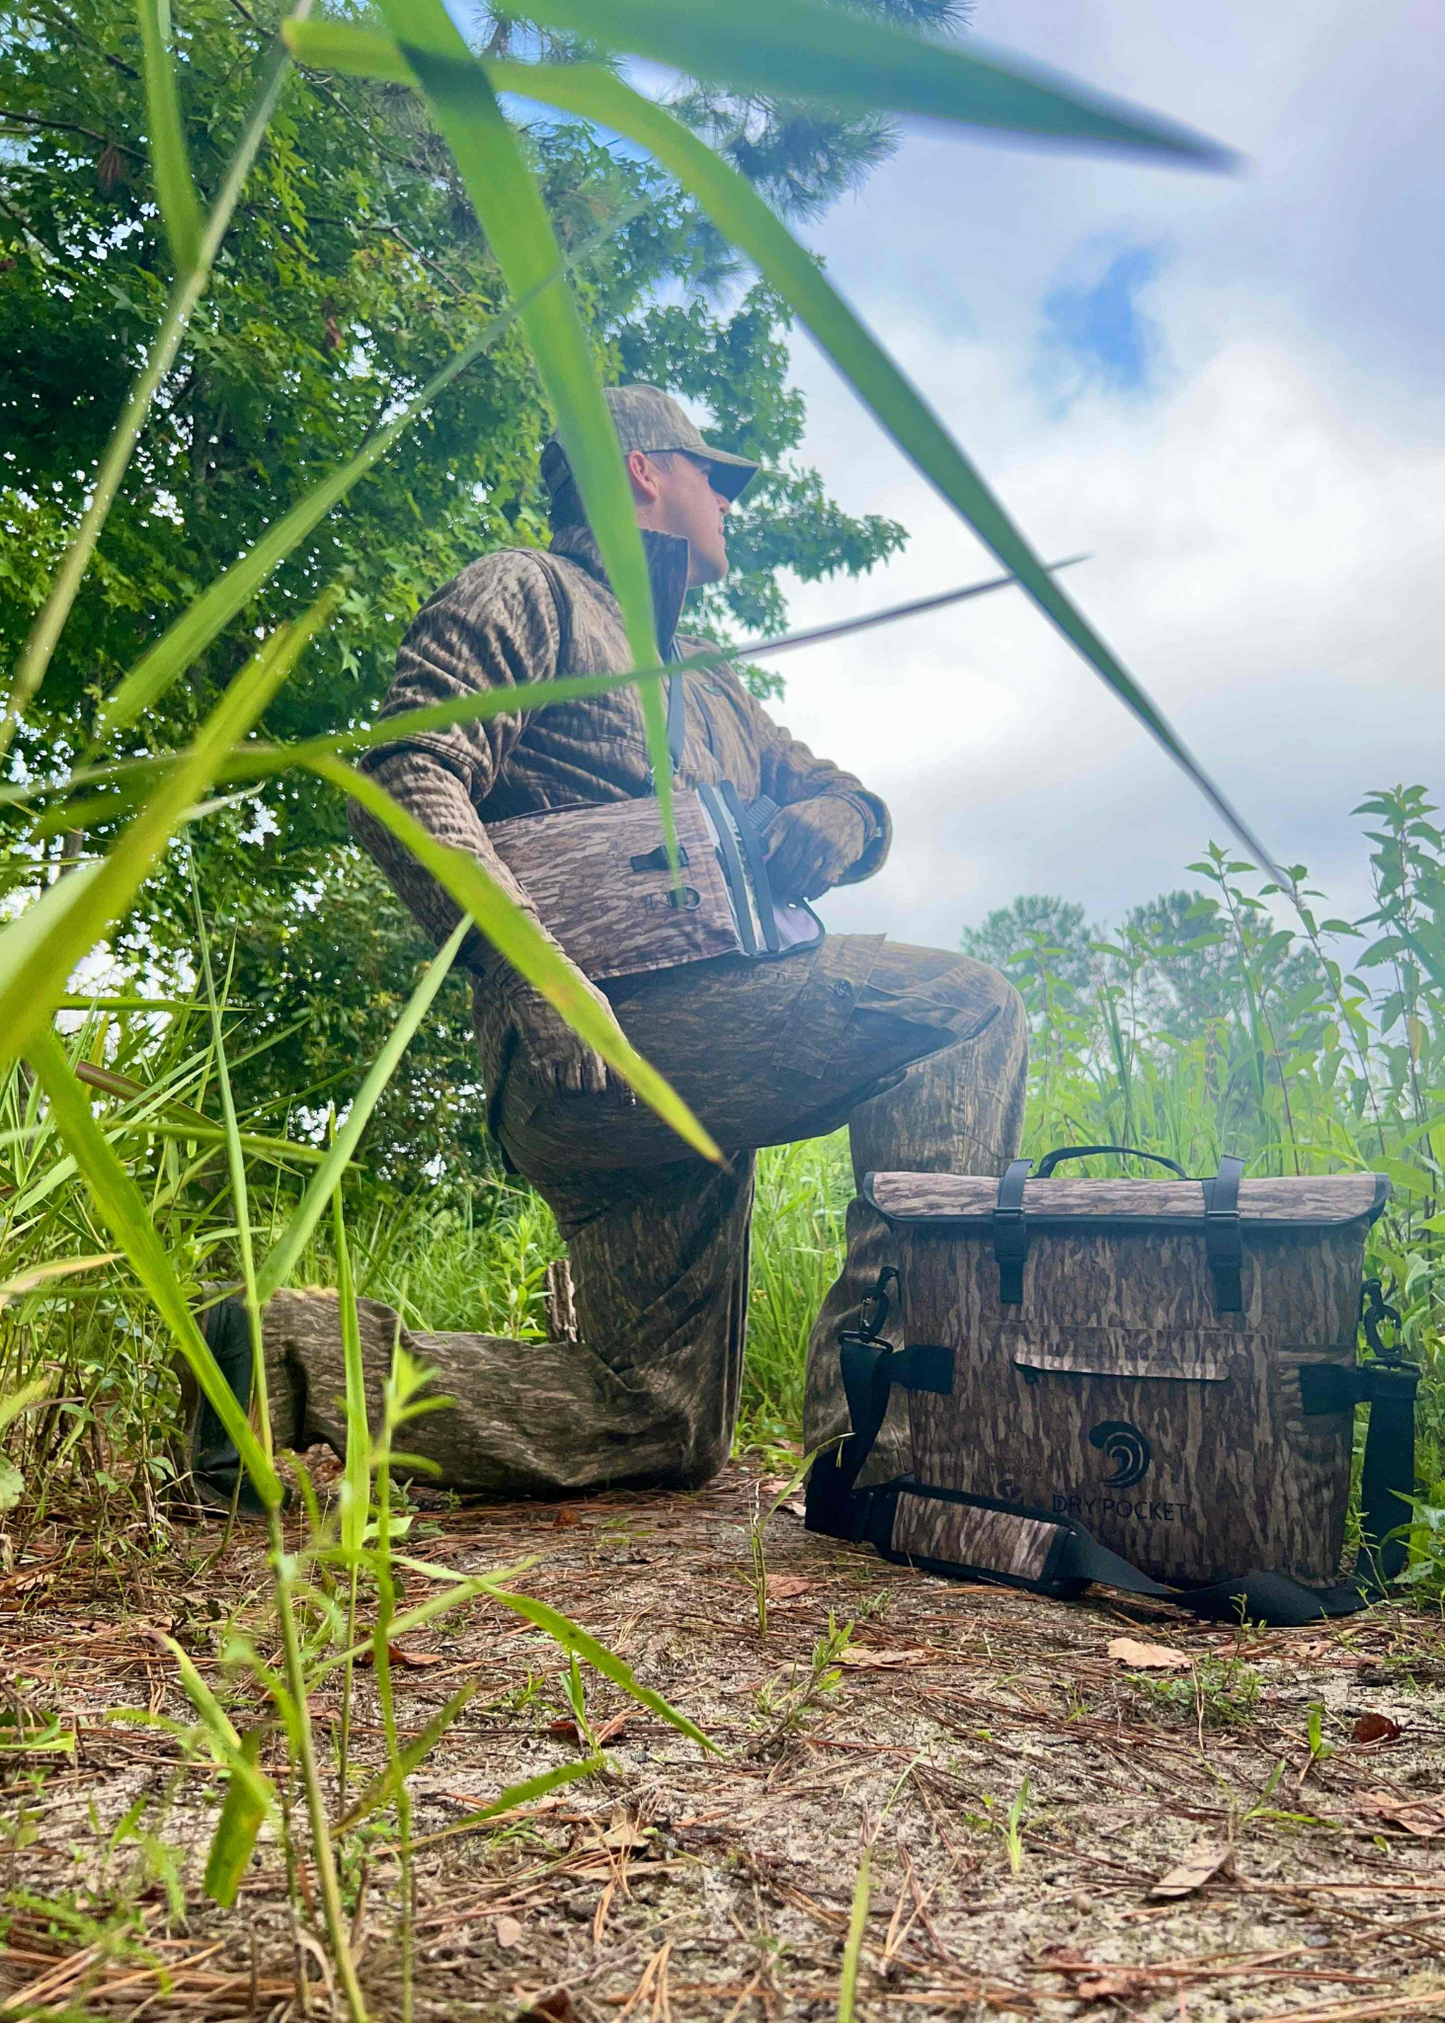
<point>1146,1383</point>
<point>598,875</point>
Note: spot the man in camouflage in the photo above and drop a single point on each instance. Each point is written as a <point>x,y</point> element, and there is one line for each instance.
<point>920,1052</point>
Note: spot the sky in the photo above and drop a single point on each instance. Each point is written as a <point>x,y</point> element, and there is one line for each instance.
<point>1226,387</point>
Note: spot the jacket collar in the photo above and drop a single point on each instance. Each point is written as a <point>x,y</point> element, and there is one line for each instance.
<point>668,557</point>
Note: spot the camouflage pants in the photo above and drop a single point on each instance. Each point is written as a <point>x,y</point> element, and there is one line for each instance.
<point>921,1053</point>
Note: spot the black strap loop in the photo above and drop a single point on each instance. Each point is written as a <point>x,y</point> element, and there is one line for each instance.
<point>1011,1232</point>
<point>1061,1152</point>
<point>1223,1242</point>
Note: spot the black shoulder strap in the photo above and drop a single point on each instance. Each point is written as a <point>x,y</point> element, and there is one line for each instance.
<point>870,1369</point>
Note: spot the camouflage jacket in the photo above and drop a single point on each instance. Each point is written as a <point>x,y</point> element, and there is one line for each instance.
<point>516,617</point>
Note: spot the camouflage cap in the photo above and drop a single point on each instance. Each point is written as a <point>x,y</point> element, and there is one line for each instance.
<point>648,419</point>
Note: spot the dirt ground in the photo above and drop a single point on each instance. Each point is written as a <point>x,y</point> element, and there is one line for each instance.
<point>1056,1830</point>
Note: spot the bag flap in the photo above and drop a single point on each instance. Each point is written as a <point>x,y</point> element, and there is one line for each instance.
<point>1326,1201</point>
<point>1200,1355</point>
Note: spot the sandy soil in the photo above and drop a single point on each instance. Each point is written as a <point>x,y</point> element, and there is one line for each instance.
<point>1178,1848</point>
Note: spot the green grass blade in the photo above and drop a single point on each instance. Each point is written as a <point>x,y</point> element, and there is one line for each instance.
<point>170,162</point>
<point>853,1944</point>
<point>510,931</point>
<point>511,211</point>
<point>52,935</point>
<point>189,288</point>
<point>234,1840</point>
<point>747,222</point>
<point>383,1788</point>
<point>200,623</point>
<point>281,1259</point>
<point>802,47</point>
<point>513,1795</point>
<point>356,1482</point>
<point>121,1208</point>
<point>576,1640</point>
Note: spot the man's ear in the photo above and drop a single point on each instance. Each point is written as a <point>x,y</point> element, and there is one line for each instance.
<point>642,472</point>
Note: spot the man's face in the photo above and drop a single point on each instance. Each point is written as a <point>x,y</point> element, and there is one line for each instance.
<point>674,495</point>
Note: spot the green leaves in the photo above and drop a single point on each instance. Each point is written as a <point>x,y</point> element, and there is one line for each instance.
<point>281,1260</point>
<point>175,190</point>
<point>38,953</point>
<point>203,619</point>
<point>797,46</point>
<point>576,1640</point>
<point>240,1822</point>
<point>119,1204</point>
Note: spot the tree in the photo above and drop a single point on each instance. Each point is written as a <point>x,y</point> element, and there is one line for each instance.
<point>353,268</point>
<point>1043,944</point>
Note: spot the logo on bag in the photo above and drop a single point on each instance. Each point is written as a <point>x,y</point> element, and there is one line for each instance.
<point>1126,1447</point>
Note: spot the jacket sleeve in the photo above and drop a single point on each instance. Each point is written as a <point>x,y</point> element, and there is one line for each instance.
<point>493,627</point>
<point>791,772</point>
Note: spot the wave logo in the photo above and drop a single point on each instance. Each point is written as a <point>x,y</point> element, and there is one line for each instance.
<point>1126,1447</point>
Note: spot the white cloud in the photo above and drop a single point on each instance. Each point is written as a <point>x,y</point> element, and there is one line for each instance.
<point>1266,562</point>
<point>1267,529</point>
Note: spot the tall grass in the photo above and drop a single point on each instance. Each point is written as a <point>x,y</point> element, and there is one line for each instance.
<point>142,1191</point>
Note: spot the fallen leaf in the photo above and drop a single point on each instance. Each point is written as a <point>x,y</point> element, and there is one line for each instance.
<point>1325,1651</point>
<point>555,2006</point>
<point>509,1932</point>
<point>1115,1982</point>
<point>1147,1657</point>
<point>1376,1728</point>
<point>786,1587</point>
<point>623,1834</point>
<point>864,1658</point>
<point>1193,1874</point>
<point>1409,1814</point>
<point>566,1729</point>
<point>1098,1980</point>
<point>414,1661</point>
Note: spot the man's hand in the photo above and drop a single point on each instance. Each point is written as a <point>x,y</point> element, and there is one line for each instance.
<point>558,1059</point>
<point>811,844</point>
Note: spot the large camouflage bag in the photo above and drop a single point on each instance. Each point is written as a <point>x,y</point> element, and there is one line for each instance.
<point>1146,1383</point>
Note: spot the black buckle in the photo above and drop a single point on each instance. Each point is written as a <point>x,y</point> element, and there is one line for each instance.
<point>876,1306</point>
<point>1374,1308</point>
<point>656,860</point>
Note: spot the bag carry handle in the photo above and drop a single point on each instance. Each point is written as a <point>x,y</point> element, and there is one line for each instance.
<point>1061,1152</point>
<point>1223,1239</point>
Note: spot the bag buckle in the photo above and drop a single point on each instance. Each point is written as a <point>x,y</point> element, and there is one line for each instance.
<point>656,860</point>
<point>1374,1308</point>
<point>876,1306</point>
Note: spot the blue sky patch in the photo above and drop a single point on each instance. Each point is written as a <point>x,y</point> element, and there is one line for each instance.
<point>1095,333</point>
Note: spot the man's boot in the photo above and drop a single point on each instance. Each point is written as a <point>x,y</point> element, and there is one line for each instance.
<point>211,1457</point>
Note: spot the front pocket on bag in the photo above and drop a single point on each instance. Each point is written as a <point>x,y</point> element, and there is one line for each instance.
<point>1202,1355</point>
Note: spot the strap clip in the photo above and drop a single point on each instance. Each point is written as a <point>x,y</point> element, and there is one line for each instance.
<point>656,860</point>
<point>1373,1309</point>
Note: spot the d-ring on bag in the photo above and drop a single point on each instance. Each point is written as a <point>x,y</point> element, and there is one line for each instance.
<point>1146,1383</point>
